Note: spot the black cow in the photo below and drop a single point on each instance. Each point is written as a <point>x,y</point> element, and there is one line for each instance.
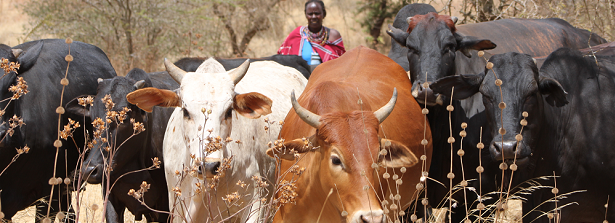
<point>570,108</point>
<point>398,53</point>
<point>190,64</point>
<point>435,43</point>
<point>43,65</point>
<point>437,48</point>
<point>131,154</point>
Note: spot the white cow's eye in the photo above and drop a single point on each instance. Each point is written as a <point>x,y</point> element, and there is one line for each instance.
<point>186,113</point>
<point>229,113</point>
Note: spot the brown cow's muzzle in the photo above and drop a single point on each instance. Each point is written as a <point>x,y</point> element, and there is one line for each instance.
<point>374,216</point>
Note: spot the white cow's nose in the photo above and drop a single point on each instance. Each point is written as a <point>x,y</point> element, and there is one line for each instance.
<point>209,168</point>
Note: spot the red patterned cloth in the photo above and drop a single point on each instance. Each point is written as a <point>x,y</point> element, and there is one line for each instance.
<point>294,43</point>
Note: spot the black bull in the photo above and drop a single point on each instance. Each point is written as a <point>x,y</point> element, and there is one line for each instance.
<point>436,48</point>
<point>42,67</point>
<point>570,109</point>
<point>133,154</point>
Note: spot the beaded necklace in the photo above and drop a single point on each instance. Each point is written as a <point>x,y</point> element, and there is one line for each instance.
<point>320,37</point>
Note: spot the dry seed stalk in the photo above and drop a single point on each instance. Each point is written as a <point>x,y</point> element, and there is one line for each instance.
<point>451,140</point>
<point>502,131</point>
<point>60,111</point>
<point>464,183</point>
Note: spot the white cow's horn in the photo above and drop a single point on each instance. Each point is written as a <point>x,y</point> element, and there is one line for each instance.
<point>384,112</point>
<point>305,115</point>
<point>176,73</point>
<point>238,73</point>
<point>455,19</point>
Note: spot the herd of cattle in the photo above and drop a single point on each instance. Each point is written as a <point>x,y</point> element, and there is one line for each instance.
<point>354,138</point>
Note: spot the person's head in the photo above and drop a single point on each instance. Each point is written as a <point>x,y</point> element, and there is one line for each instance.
<point>315,12</point>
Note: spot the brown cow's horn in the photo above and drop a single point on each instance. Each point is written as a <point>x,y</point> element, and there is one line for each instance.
<point>176,73</point>
<point>408,20</point>
<point>384,112</point>
<point>455,19</point>
<point>140,84</point>
<point>17,52</point>
<point>240,71</point>
<point>305,115</point>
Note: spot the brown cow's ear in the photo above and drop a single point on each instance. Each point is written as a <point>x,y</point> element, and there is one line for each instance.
<point>252,105</point>
<point>147,98</point>
<point>290,148</point>
<point>397,156</point>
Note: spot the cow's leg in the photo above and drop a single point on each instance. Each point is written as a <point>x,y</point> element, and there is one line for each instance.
<point>61,203</point>
<point>115,211</point>
<point>534,200</point>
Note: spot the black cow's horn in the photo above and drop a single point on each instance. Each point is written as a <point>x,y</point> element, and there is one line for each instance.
<point>176,73</point>
<point>455,19</point>
<point>140,84</point>
<point>409,19</point>
<point>240,71</point>
<point>305,115</point>
<point>17,52</point>
<point>384,112</point>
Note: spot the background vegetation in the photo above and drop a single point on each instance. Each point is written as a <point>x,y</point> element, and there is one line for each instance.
<point>139,33</point>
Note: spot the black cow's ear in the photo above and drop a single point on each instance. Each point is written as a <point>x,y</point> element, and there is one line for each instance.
<point>398,35</point>
<point>28,58</point>
<point>467,43</point>
<point>465,85</point>
<point>556,95</point>
<point>74,108</point>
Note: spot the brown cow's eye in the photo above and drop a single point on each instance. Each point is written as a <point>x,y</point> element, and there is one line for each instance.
<point>336,160</point>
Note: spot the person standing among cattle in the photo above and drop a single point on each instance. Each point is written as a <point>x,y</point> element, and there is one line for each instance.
<point>314,42</point>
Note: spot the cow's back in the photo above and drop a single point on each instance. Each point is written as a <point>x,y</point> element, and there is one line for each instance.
<point>536,37</point>
<point>276,82</point>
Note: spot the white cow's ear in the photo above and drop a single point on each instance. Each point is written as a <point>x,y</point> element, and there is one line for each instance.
<point>288,150</point>
<point>147,98</point>
<point>397,155</point>
<point>252,105</point>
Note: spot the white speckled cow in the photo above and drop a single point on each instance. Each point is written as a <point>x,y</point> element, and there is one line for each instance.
<point>243,104</point>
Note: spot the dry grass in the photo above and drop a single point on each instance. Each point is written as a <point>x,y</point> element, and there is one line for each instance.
<point>90,197</point>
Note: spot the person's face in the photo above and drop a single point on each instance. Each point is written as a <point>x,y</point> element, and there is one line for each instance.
<point>314,15</point>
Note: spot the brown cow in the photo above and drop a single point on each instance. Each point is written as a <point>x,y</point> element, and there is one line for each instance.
<point>334,114</point>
